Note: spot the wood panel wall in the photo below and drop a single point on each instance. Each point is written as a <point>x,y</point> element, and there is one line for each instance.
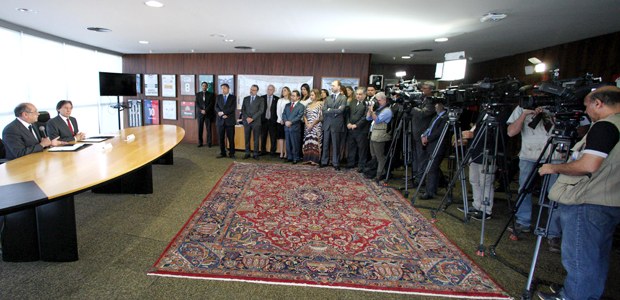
<point>598,55</point>
<point>289,64</point>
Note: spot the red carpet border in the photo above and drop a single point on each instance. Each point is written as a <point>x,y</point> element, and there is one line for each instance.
<point>300,225</point>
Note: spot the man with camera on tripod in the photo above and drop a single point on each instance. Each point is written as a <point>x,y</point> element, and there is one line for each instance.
<point>587,192</point>
<point>534,136</point>
<point>421,117</point>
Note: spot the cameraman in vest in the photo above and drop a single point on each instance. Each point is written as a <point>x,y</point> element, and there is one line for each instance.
<point>587,193</point>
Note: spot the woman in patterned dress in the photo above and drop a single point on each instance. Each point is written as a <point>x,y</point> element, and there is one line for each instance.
<point>313,134</point>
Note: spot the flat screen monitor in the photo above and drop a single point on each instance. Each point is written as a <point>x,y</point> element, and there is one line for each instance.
<point>117,84</point>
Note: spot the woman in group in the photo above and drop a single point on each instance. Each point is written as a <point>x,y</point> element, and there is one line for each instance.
<point>324,95</point>
<point>349,93</point>
<point>305,94</point>
<point>313,134</point>
<point>284,99</point>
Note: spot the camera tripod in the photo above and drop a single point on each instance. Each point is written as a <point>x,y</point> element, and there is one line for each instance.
<point>403,128</point>
<point>541,229</point>
<point>489,129</point>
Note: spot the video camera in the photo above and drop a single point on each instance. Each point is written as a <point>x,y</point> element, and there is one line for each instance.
<point>408,95</point>
<point>491,92</point>
<point>560,95</point>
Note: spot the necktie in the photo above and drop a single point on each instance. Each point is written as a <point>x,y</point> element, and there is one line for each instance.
<point>252,99</point>
<point>36,136</point>
<point>268,110</point>
<point>225,98</point>
<point>70,127</point>
<point>292,104</point>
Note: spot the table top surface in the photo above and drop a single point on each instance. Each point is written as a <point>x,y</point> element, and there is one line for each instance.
<point>59,174</point>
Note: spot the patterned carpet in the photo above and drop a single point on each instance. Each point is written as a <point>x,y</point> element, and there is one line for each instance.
<point>285,224</point>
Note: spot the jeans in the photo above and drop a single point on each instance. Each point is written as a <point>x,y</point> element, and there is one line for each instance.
<point>524,214</point>
<point>586,244</point>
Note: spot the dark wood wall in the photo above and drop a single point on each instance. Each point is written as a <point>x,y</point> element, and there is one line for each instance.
<point>598,55</point>
<point>289,64</point>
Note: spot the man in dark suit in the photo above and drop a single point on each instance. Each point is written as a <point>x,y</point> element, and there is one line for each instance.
<point>21,137</point>
<point>204,112</point>
<point>64,125</point>
<point>252,109</point>
<point>357,128</point>
<point>292,116</point>
<point>421,117</point>
<point>430,140</point>
<point>333,126</point>
<point>225,108</point>
<point>270,121</point>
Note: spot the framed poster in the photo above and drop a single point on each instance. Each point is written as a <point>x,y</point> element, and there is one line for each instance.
<point>151,85</point>
<point>151,112</point>
<point>208,79</point>
<point>188,110</point>
<point>188,85</point>
<point>326,82</point>
<point>244,82</point>
<point>169,109</point>
<point>135,113</point>
<point>168,85</point>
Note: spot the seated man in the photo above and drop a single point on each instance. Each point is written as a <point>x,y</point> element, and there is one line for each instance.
<point>21,137</point>
<point>64,125</point>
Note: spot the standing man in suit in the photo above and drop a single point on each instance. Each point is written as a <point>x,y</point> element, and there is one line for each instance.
<point>270,121</point>
<point>21,137</point>
<point>225,108</point>
<point>204,110</point>
<point>64,125</point>
<point>333,126</point>
<point>357,126</point>
<point>430,139</point>
<point>292,116</point>
<point>421,117</point>
<point>252,109</point>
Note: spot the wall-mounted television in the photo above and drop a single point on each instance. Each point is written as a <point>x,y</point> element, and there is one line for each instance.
<point>117,84</point>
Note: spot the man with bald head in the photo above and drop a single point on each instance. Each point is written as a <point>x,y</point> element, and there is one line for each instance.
<point>587,192</point>
<point>21,137</point>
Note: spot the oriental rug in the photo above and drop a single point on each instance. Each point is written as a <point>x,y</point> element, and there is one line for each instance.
<point>301,225</point>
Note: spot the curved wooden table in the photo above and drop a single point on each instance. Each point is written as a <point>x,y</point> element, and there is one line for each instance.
<point>36,190</point>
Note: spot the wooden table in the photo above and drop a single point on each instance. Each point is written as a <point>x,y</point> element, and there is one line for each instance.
<point>36,190</point>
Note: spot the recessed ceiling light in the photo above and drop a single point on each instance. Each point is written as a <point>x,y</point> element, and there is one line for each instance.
<point>220,35</point>
<point>493,17</point>
<point>405,57</point>
<point>143,42</point>
<point>441,39</point>
<point>329,39</point>
<point>153,3</point>
<point>243,47</point>
<point>192,50</point>
<point>99,29</point>
<point>343,50</point>
<point>26,10</point>
<point>229,40</point>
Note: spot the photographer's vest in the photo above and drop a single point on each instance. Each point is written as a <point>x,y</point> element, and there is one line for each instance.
<point>602,188</point>
<point>379,132</point>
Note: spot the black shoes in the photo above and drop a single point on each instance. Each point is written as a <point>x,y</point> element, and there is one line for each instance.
<point>554,245</point>
<point>256,157</point>
<point>478,216</point>
<point>231,155</point>
<point>549,296</point>
<point>221,155</point>
<point>199,145</point>
<point>518,228</point>
<point>246,156</point>
<point>322,166</point>
<point>337,168</point>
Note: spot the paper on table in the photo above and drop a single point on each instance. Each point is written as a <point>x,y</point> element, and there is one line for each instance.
<point>93,140</point>
<point>66,148</point>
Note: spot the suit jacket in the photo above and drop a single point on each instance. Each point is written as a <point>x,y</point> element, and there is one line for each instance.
<point>294,116</point>
<point>207,104</point>
<point>229,109</point>
<point>436,129</point>
<point>19,141</point>
<point>274,109</point>
<point>422,117</point>
<point>333,117</point>
<point>56,127</point>
<point>254,110</point>
<point>357,115</point>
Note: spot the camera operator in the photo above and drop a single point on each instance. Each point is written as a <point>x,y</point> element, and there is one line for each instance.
<point>379,133</point>
<point>430,140</point>
<point>421,117</point>
<point>533,141</point>
<point>587,193</point>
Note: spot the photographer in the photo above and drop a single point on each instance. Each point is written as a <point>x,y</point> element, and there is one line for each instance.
<point>379,133</point>
<point>587,193</point>
<point>533,141</point>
